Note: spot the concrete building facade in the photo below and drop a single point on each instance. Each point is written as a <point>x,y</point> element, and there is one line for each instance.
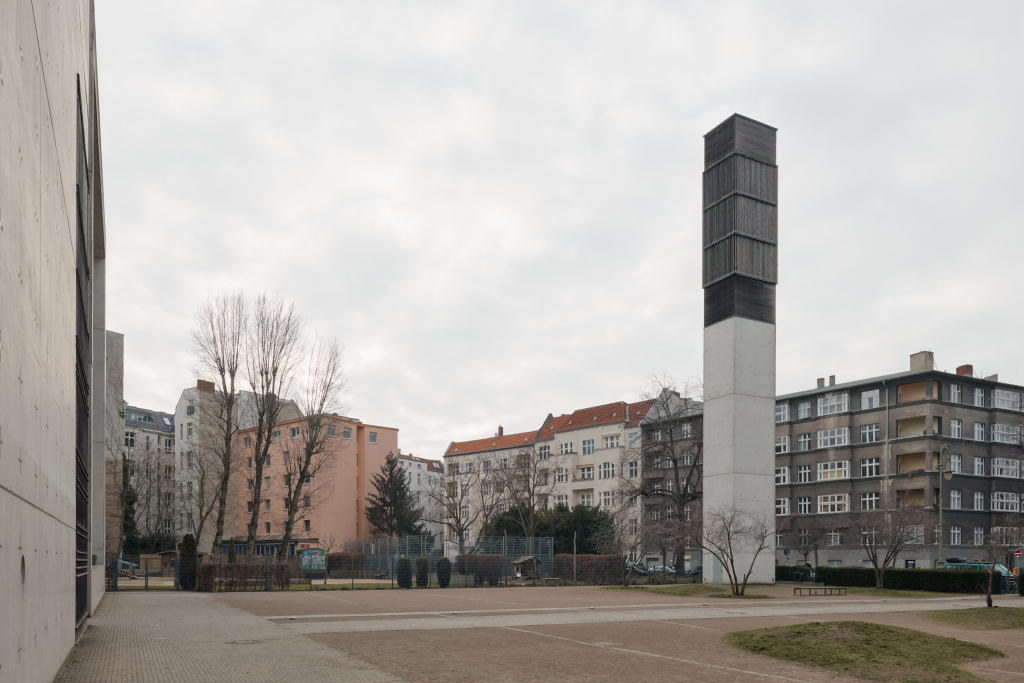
<point>424,476</point>
<point>740,271</point>
<point>52,337</point>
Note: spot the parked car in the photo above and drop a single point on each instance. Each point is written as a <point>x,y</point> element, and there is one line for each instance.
<point>637,568</point>
<point>696,572</point>
<point>1003,582</point>
<point>664,569</point>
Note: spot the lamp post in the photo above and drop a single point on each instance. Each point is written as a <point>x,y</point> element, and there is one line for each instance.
<point>947,474</point>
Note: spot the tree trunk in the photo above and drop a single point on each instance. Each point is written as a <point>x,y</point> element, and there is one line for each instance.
<point>988,594</point>
<point>222,501</point>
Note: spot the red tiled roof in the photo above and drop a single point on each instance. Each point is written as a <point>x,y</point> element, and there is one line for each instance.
<point>434,465</point>
<point>638,411</point>
<point>609,413</point>
<point>493,443</point>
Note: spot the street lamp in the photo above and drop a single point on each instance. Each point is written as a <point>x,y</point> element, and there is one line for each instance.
<point>947,474</point>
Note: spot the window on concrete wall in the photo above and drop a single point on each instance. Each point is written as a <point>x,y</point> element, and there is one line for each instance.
<point>979,535</point>
<point>869,399</point>
<point>634,439</point>
<point>869,501</point>
<point>1007,468</point>
<point>782,413</point>
<point>828,438</point>
<point>588,446</point>
<point>979,431</point>
<point>839,502</point>
<point>956,429</point>
<point>834,470</point>
<point>543,452</point>
<point>835,537</point>
<point>803,410</point>
<point>979,500</point>
<point>782,444</point>
<point>870,467</point>
<point>803,474</point>
<point>955,499</point>
<point>1005,502</point>
<point>956,463</point>
<point>781,476</point>
<point>331,430</point>
<point>306,525</point>
<point>979,466</point>
<point>1005,434</point>
<point>979,398</point>
<point>565,448</point>
<point>781,507</point>
<point>1008,400</point>
<point>633,469</point>
<point>803,507</point>
<point>373,437</point>
<point>954,393</point>
<point>611,441</point>
<point>829,405</point>
<point>803,442</point>
<point>129,439</point>
<point>869,433</point>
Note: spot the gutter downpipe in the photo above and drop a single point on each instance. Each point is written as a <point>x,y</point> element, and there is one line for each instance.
<point>887,453</point>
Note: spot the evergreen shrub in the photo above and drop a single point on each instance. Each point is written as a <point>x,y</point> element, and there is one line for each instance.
<point>422,572</point>
<point>207,578</point>
<point>403,572</point>
<point>785,572</point>
<point>444,572</point>
<point>937,580</point>
<point>483,567</point>
<point>187,562</point>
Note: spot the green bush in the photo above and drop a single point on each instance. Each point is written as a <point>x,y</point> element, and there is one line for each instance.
<point>403,572</point>
<point>785,572</point>
<point>608,568</point>
<point>483,567</point>
<point>232,553</point>
<point>345,561</point>
<point>422,572</point>
<point>444,572</point>
<point>187,561</point>
<point>207,578</point>
<point>937,580</point>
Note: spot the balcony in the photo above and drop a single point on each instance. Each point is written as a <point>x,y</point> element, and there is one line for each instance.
<point>908,393</point>
<point>912,462</point>
<point>911,427</point>
<point>912,498</point>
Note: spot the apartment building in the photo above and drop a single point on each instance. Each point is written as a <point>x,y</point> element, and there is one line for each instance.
<point>149,449</point>
<point>52,334</point>
<point>851,446</point>
<point>424,477</point>
<point>334,503</point>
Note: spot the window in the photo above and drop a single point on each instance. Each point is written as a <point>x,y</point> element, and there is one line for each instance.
<point>330,430</point>
<point>167,526</point>
<point>956,429</point>
<point>955,499</point>
<point>782,413</point>
<point>803,442</point>
<point>869,399</point>
<point>565,448</point>
<point>346,433</point>
<point>834,470</point>
<point>869,433</point>
<point>869,501</point>
<point>266,463</point>
<point>782,444</point>
<point>373,437</point>
<point>1005,502</point>
<point>306,501</point>
<point>632,527</point>
<point>191,488</point>
<point>1005,434</point>
<point>266,505</point>
<point>979,535</point>
<point>979,500</point>
<point>468,470</point>
<point>586,472</point>
<point>129,439</point>
<point>979,398</point>
<point>633,469</point>
<point>268,483</point>
<point>277,437</point>
<point>830,405</point>
<point>168,499</point>
<point>1007,468</point>
<point>587,499</point>
<point>1008,400</point>
<point>607,499</point>
<point>288,481</point>
<point>249,483</point>
<point>188,428</point>
<point>781,506</point>
<point>611,441</point>
<point>606,471</point>
<point>464,512</point>
<point>562,499</point>
<point>687,430</point>
<point>979,466</point>
<point>248,507</point>
<point>781,475</point>
<point>839,502</point>
<point>634,439</point>
<point>870,467</point>
<point>465,490</point>
<point>778,539</point>
<point>295,432</point>
<point>561,475</point>
<point>168,471</point>
<point>803,506</point>
<point>835,537</point>
<point>306,525</point>
<point>287,457</point>
<point>979,431</point>
<point>266,526</point>
<point>670,482</point>
<point>803,474</point>
<point>502,462</point>
<point>305,482</point>
<point>543,452</point>
<point>588,446</point>
<point>167,445</point>
<point>486,466</point>
<point>248,442</point>
<point>803,410</point>
<point>834,437</point>
<point>956,463</point>
<point>954,393</point>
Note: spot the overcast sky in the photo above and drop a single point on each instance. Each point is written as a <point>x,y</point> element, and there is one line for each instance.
<point>496,206</point>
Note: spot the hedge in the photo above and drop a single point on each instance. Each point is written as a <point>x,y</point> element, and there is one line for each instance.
<point>444,572</point>
<point>207,578</point>
<point>785,572</point>
<point>938,580</point>
<point>337,561</point>
<point>422,572</point>
<point>187,563</point>
<point>403,572</point>
<point>608,567</point>
<point>484,567</point>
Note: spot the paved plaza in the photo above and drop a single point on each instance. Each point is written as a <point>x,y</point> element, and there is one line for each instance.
<point>462,635</point>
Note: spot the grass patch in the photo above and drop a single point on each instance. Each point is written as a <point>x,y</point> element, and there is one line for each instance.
<point>872,652</point>
<point>747,596</point>
<point>890,593</point>
<point>686,590</point>
<point>980,618</point>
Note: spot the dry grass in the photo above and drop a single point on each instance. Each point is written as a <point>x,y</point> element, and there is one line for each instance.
<point>869,651</point>
<point>980,618</point>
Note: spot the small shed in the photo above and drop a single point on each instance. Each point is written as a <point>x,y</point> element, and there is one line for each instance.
<point>526,566</point>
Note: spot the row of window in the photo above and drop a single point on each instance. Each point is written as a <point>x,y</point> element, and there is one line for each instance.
<point>346,433</point>
<point>830,438</point>
<point>834,537</point>
<point>129,442</point>
<point>1005,468</point>
<point>1001,501</point>
<point>266,504</point>
<point>840,403</point>
<point>287,482</point>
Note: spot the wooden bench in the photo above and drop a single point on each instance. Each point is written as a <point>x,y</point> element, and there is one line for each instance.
<point>818,590</point>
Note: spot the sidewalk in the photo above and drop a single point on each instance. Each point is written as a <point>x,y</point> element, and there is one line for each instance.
<point>184,637</point>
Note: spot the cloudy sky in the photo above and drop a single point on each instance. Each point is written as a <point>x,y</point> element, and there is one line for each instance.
<point>496,206</point>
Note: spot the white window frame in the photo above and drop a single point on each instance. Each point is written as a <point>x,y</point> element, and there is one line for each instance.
<point>803,505</point>
<point>781,507</point>
<point>543,452</point>
<point>633,469</point>
<point>870,500</point>
<point>782,413</point>
<point>956,497</point>
<point>781,444</point>
<point>1005,468</point>
<point>611,441</point>
<point>870,433</point>
<point>870,467</point>
<point>803,443</point>
<point>1007,400</point>
<point>1005,433</point>
<point>870,400</point>
<point>979,535</point>
<point>833,503</point>
<point>781,476</point>
<point>1005,501</point>
<point>955,535</point>
<point>373,437</point>
<point>803,474</point>
<point>828,471</point>
<point>834,537</point>
<point>832,438</point>
<point>979,500</point>
<point>803,410</point>
<point>979,398</point>
<point>955,393</point>
<point>979,431</point>
<point>831,405</point>
<point>956,429</point>
<point>565,448</point>
<point>588,446</point>
<point>587,473</point>
<point>634,439</point>
<point>979,466</point>
<point>956,463</point>
<point>606,471</point>
<point>561,475</point>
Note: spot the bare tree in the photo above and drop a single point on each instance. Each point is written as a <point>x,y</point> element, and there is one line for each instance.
<point>202,476</point>
<point>1000,541</point>
<point>624,537</point>
<point>734,536</point>
<point>218,339</point>
<point>327,544</point>
<point>273,347</point>
<point>807,535</point>
<point>318,449</point>
<point>458,498</point>
<point>885,533</point>
<point>524,479</point>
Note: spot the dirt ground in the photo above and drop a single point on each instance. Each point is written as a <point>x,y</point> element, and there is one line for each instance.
<point>588,634</point>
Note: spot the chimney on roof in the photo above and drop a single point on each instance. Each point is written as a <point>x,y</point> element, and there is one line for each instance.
<point>501,431</point>
<point>204,385</point>
<point>965,370</point>
<point>831,380</point>
<point>922,361</point>
<point>821,382</point>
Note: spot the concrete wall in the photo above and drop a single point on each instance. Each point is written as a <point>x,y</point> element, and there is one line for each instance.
<point>46,49</point>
